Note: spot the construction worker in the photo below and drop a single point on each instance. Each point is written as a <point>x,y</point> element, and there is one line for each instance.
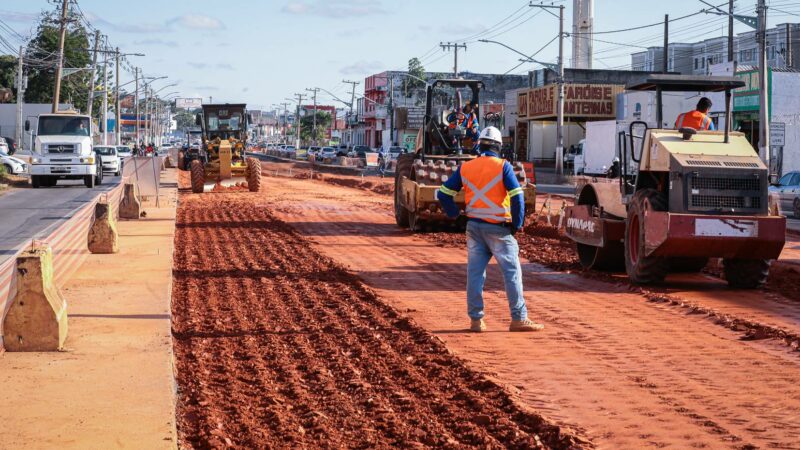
<point>697,119</point>
<point>467,120</point>
<point>495,211</point>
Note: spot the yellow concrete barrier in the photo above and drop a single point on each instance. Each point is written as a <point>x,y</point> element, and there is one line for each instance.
<point>103,237</point>
<point>37,318</point>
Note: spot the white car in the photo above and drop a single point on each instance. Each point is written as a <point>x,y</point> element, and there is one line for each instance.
<point>123,152</point>
<point>109,158</point>
<point>327,153</point>
<point>14,166</point>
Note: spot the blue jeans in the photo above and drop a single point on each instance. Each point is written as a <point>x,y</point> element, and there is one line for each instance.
<point>485,240</point>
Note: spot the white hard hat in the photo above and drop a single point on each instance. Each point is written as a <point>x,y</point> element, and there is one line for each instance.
<point>491,134</point>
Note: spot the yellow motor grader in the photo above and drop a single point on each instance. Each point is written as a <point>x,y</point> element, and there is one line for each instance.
<point>224,140</point>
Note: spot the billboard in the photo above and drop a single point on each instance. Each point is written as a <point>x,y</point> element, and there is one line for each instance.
<point>581,101</point>
<point>188,103</point>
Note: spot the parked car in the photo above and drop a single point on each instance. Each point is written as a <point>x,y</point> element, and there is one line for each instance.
<point>12,145</point>
<point>313,150</point>
<point>392,154</point>
<point>123,152</point>
<point>14,166</point>
<point>360,151</point>
<point>328,153</point>
<point>787,191</point>
<point>109,157</point>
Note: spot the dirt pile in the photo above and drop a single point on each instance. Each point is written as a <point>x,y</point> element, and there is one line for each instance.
<point>238,187</point>
<point>278,346</point>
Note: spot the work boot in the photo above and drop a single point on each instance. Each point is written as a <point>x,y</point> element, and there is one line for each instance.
<point>525,325</point>
<point>477,325</point>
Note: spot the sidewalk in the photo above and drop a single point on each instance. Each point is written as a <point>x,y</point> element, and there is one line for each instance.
<point>113,385</point>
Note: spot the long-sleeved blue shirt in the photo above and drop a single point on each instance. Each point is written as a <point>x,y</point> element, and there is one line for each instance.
<point>510,182</point>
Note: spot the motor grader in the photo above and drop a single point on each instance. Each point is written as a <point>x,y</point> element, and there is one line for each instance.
<point>694,195</point>
<point>440,149</point>
<point>224,140</point>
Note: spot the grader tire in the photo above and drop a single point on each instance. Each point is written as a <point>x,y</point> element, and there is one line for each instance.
<point>253,174</point>
<point>643,269</point>
<point>402,215</point>
<point>180,161</point>
<point>198,177</point>
<point>746,273</point>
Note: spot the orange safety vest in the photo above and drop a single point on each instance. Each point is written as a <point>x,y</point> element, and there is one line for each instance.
<point>486,195</point>
<point>693,119</point>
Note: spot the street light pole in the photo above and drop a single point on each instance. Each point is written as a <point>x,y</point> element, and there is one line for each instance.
<point>763,88</point>
<point>560,98</point>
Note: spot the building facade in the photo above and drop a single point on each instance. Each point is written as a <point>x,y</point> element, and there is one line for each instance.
<point>783,44</point>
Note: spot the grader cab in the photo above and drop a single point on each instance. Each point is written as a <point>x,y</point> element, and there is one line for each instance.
<point>222,155</point>
<point>694,195</point>
<point>442,145</point>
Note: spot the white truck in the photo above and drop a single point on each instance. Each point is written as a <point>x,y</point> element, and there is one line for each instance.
<point>596,153</point>
<point>63,150</point>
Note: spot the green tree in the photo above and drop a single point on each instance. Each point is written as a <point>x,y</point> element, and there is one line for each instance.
<point>307,126</point>
<point>184,119</point>
<point>8,72</point>
<point>410,84</point>
<point>44,47</point>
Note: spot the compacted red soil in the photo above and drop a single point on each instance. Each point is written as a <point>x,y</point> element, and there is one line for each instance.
<point>277,346</point>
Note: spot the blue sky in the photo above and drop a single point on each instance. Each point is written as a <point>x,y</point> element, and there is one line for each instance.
<point>261,52</point>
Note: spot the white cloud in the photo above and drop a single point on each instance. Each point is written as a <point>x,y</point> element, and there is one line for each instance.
<point>362,68</point>
<point>334,8</point>
<point>199,22</point>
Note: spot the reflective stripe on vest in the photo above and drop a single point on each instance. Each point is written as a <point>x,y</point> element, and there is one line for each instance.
<point>484,190</point>
<point>693,119</point>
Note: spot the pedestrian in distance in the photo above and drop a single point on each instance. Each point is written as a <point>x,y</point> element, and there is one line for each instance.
<point>495,211</point>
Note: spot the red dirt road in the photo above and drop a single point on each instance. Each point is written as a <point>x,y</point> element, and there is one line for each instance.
<point>277,346</point>
<point>630,372</point>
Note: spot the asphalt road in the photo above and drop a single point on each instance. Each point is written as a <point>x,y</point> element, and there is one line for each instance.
<point>28,213</point>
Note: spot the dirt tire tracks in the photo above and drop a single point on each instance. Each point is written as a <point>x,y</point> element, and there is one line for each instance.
<point>278,346</point>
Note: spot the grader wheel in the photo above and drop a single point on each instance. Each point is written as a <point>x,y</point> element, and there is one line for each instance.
<point>198,177</point>
<point>180,161</point>
<point>253,174</point>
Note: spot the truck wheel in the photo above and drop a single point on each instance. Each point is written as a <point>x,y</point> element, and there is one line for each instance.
<point>89,180</point>
<point>253,174</point>
<point>643,269</point>
<point>198,177</point>
<point>746,273</point>
<point>404,166</point>
<point>36,181</point>
<point>687,265</point>
<point>180,161</point>
<point>98,179</point>
<point>796,208</point>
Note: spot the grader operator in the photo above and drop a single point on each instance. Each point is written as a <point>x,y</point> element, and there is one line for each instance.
<point>224,140</point>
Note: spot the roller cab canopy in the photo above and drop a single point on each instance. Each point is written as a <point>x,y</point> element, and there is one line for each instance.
<point>685,83</point>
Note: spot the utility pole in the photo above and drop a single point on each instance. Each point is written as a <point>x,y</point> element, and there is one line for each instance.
<point>297,127</point>
<point>665,53</point>
<point>90,101</point>
<point>117,112</point>
<point>136,103</point>
<point>455,46</point>
<point>61,37</point>
<point>764,88</point>
<point>315,90</point>
<point>285,119</point>
<point>105,98</point>
<point>352,103</point>
<point>730,34</point>
<point>20,99</point>
<point>560,98</point>
<point>391,110</point>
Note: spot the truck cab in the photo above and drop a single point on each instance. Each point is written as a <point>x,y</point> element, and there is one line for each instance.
<point>63,150</point>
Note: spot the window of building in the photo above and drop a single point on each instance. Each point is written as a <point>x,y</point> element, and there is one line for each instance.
<point>696,64</point>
